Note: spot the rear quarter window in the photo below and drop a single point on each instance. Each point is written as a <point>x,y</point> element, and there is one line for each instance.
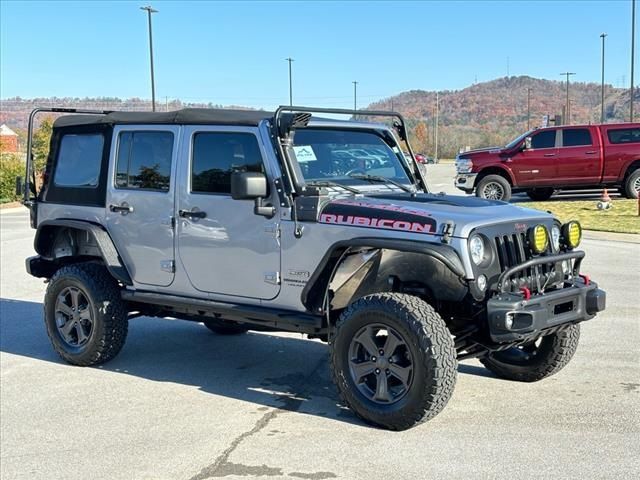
<point>79,160</point>
<point>624,135</point>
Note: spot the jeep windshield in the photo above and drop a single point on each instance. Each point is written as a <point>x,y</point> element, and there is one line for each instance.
<point>347,157</point>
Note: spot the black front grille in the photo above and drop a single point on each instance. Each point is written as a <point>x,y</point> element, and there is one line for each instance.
<point>512,250</point>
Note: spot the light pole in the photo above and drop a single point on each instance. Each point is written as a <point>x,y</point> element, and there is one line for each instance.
<point>153,84</point>
<point>633,44</point>
<point>603,36</point>
<point>528,109</point>
<point>290,60</point>
<point>435,155</point>
<point>567,110</point>
<point>355,98</point>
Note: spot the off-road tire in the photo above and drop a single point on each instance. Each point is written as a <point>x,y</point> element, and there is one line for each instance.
<point>554,352</point>
<point>431,344</point>
<point>225,327</point>
<point>494,179</point>
<point>629,189</point>
<point>110,322</point>
<point>540,194</point>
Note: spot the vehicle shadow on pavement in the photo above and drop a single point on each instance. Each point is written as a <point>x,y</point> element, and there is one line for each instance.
<point>288,373</point>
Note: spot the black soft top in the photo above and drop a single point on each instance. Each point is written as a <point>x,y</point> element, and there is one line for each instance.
<point>186,116</point>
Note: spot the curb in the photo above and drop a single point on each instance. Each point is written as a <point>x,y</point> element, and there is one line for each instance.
<point>611,236</point>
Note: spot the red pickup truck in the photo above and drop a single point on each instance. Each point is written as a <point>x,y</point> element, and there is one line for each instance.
<point>556,158</point>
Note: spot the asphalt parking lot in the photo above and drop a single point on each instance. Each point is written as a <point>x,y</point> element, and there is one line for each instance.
<point>182,403</point>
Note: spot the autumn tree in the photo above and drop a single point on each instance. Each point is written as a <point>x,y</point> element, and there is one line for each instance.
<point>41,140</point>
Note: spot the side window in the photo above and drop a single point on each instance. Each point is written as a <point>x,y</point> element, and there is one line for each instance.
<point>576,137</point>
<point>144,160</point>
<point>79,160</point>
<point>624,135</point>
<point>216,155</point>
<point>544,139</point>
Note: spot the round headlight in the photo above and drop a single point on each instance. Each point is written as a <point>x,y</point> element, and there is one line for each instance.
<point>555,237</point>
<point>572,234</point>
<point>538,239</point>
<point>476,248</point>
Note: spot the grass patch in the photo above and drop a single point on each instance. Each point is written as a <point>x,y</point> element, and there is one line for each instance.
<point>621,218</point>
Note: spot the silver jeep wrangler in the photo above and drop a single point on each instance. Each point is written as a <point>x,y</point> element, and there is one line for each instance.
<point>287,221</point>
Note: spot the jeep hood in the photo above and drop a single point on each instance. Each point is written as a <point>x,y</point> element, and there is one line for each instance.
<point>423,213</point>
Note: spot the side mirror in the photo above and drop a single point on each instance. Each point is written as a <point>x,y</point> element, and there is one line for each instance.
<point>527,144</point>
<point>248,185</point>
<point>251,186</point>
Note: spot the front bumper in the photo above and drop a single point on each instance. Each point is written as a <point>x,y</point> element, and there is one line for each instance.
<point>466,181</point>
<point>511,317</point>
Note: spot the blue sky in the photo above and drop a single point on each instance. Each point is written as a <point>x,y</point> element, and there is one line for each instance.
<point>233,52</point>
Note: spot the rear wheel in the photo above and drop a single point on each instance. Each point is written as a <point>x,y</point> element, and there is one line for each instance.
<point>494,187</point>
<point>540,194</point>
<point>535,360</point>
<point>393,360</point>
<point>631,185</point>
<point>85,316</point>
<point>225,327</point>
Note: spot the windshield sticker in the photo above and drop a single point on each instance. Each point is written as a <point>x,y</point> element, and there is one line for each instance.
<point>304,153</point>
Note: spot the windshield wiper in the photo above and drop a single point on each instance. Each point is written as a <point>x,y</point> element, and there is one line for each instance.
<point>379,179</point>
<point>329,183</point>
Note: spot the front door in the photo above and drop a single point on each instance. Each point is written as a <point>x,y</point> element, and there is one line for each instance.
<point>223,246</point>
<point>537,166</point>
<point>140,200</point>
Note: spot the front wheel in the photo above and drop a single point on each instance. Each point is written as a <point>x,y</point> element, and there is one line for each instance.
<point>393,360</point>
<point>535,360</point>
<point>494,187</point>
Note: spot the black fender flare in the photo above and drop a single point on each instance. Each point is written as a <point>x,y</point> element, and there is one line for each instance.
<point>47,231</point>
<point>313,294</point>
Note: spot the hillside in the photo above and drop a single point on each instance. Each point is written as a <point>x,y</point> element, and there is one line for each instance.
<point>484,114</point>
<point>493,112</point>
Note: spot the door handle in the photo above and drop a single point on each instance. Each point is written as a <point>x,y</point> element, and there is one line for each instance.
<point>549,154</point>
<point>123,209</point>
<point>591,152</point>
<point>192,214</point>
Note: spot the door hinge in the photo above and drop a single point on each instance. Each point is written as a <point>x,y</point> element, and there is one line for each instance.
<point>272,277</point>
<point>168,266</point>
<point>273,229</point>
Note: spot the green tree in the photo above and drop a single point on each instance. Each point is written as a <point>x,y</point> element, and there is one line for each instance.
<point>41,141</point>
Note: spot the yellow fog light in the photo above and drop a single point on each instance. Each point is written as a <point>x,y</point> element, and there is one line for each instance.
<point>572,234</point>
<point>538,239</point>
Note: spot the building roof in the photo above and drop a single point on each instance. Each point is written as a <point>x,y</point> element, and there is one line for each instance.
<point>6,131</point>
<point>196,116</point>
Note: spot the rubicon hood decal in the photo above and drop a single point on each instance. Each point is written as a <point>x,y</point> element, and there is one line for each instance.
<point>389,217</point>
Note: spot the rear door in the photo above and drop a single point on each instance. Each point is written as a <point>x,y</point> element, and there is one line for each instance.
<point>537,166</point>
<point>578,157</point>
<point>140,200</point>
<point>224,248</point>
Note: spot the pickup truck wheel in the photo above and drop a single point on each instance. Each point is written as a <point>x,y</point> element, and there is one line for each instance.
<point>540,194</point>
<point>225,327</point>
<point>632,185</point>
<point>393,360</point>
<point>85,316</point>
<point>494,187</point>
<point>536,360</point>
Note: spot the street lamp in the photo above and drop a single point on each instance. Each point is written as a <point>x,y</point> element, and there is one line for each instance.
<point>603,36</point>
<point>290,60</point>
<point>150,10</point>
<point>355,98</point>
<point>567,111</point>
<point>633,43</point>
